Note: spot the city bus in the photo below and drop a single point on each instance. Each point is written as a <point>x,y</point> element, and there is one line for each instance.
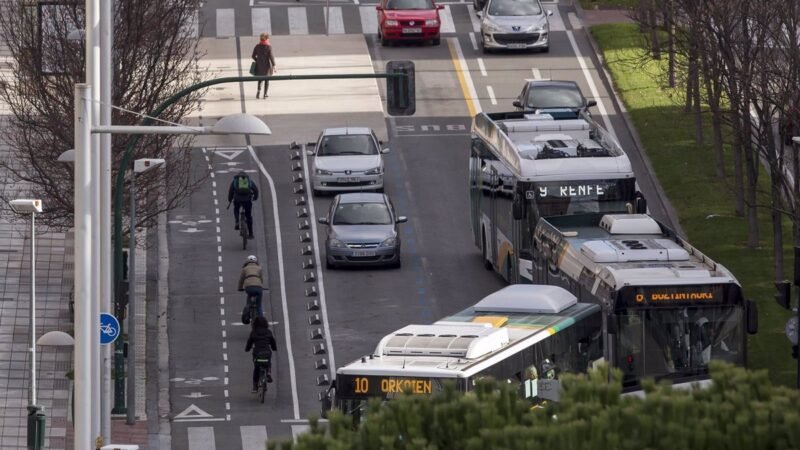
<point>526,335</point>
<point>668,309</point>
<point>527,166</point>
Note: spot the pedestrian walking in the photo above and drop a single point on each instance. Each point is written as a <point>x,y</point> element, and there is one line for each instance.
<point>265,62</point>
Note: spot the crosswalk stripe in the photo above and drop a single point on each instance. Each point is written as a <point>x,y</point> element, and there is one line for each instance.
<point>253,436</point>
<point>298,23</point>
<point>226,22</point>
<point>202,438</point>
<point>262,23</point>
<point>336,22</point>
<point>447,21</point>
<point>369,19</point>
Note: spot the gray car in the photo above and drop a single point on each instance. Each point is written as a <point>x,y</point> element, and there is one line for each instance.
<point>515,24</point>
<point>362,231</point>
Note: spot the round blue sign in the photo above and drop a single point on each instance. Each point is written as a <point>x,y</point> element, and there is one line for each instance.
<point>109,328</point>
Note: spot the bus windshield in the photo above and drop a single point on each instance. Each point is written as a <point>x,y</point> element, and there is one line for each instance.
<point>559,198</point>
<point>677,342</point>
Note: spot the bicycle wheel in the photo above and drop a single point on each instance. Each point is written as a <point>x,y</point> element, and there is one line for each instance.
<point>253,311</point>
<point>243,231</point>
<point>262,385</point>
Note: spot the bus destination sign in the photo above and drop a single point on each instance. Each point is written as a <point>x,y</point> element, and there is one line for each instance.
<point>383,386</point>
<point>571,190</point>
<point>654,296</point>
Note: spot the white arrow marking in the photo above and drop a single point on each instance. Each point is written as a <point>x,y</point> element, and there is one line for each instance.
<point>191,230</point>
<point>193,412</point>
<point>196,395</point>
<point>228,154</point>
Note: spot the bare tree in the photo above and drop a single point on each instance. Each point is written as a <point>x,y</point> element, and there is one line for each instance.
<point>154,57</point>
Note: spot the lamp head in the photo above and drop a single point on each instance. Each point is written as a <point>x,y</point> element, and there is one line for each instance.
<point>26,206</point>
<point>240,124</point>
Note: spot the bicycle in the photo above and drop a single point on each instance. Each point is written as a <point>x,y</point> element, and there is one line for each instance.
<point>253,307</point>
<point>263,363</point>
<point>243,230</point>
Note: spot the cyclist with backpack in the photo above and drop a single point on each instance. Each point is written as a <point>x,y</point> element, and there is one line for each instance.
<point>263,343</point>
<point>242,193</point>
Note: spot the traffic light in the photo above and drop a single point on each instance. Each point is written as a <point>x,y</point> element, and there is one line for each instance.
<point>400,90</point>
<point>783,297</point>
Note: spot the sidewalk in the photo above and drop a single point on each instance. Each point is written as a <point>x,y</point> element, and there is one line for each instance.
<point>593,17</point>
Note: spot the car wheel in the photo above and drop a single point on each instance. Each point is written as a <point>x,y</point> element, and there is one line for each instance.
<point>486,263</point>
<point>436,41</point>
<point>316,192</point>
<point>546,49</point>
<point>329,265</point>
<point>509,273</point>
<point>398,264</point>
<point>384,41</point>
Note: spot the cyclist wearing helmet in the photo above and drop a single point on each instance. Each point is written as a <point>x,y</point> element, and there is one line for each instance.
<point>251,281</point>
<point>242,192</point>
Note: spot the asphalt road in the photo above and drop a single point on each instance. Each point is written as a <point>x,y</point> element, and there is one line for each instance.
<point>211,406</point>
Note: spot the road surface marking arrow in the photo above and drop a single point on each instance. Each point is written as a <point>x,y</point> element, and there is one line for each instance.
<point>229,154</point>
<point>196,395</point>
<point>195,414</point>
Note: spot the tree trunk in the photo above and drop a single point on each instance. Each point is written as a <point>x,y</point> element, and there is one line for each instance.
<point>738,150</point>
<point>652,18</point>
<point>751,183</point>
<point>698,106</point>
<point>713,92</point>
<point>670,43</point>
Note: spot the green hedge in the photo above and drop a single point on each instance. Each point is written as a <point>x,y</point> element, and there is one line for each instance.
<point>741,410</point>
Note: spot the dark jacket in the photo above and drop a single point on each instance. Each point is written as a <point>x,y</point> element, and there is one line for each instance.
<point>262,342</point>
<point>262,54</point>
<point>233,192</point>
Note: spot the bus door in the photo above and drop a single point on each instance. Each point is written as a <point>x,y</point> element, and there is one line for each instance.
<point>494,197</point>
<point>476,189</point>
<point>518,226</point>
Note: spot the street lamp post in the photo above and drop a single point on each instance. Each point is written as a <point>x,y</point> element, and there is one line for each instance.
<point>139,166</point>
<point>36,417</point>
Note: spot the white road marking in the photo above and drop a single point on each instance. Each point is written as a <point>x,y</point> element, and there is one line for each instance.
<point>556,21</point>
<point>369,19</point>
<point>224,333</point>
<point>222,311</point>
<point>253,436</point>
<point>220,279</point>
<point>262,23</point>
<point>336,23</point>
<point>297,430</point>
<point>320,279</point>
<point>226,22</point>
<point>446,17</point>
<point>476,22</point>
<point>574,21</point>
<point>282,275</point>
<point>462,66</point>
<point>214,184</point>
<point>473,41</point>
<point>537,74</point>
<point>225,368</point>
<point>595,94</point>
<point>225,345</point>
<point>491,95</point>
<point>201,438</point>
<point>192,412</point>
<point>482,67</point>
<point>298,22</point>
<point>226,393</point>
<point>224,356</point>
<point>219,249</point>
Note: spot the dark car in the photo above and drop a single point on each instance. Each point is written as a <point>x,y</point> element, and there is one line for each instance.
<point>362,231</point>
<point>552,96</point>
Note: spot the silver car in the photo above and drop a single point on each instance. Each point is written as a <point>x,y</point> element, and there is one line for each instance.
<point>515,24</point>
<point>347,159</point>
<point>362,231</point>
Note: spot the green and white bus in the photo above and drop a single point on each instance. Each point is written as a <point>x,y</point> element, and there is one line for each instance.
<point>527,166</point>
<point>522,334</point>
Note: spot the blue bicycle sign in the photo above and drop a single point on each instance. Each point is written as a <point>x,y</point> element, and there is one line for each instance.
<point>109,328</point>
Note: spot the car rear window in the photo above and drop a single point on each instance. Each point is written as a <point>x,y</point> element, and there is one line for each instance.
<point>362,214</point>
<point>351,144</point>
<point>554,97</point>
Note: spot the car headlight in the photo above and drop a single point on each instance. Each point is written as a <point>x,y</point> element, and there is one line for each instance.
<point>391,23</point>
<point>490,26</point>
<point>390,242</point>
<point>431,22</point>
<point>335,243</point>
<point>321,172</point>
<point>376,171</point>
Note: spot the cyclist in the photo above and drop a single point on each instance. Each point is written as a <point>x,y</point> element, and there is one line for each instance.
<point>242,192</point>
<point>263,343</point>
<point>251,281</point>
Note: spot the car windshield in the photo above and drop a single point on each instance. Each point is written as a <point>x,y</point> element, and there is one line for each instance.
<point>514,8</point>
<point>409,4</point>
<point>362,214</point>
<point>349,144</point>
<point>554,97</point>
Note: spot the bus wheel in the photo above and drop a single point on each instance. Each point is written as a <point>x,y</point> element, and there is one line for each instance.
<point>509,273</point>
<point>486,263</point>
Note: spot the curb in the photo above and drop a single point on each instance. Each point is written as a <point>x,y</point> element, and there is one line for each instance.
<point>607,80</point>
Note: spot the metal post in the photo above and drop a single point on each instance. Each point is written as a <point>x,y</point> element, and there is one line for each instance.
<point>32,319</point>
<point>131,403</point>
<point>104,186</point>
<point>83,267</point>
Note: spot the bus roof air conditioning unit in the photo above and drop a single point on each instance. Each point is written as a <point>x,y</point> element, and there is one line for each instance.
<point>443,340</point>
<point>629,224</point>
<point>633,250</point>
<point>527,299</point>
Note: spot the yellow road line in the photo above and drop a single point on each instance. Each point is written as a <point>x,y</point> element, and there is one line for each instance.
<point>464,78</point>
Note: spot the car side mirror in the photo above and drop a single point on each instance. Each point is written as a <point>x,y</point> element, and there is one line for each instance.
<point>310,152</point>
<point>591,103</point>
<point>479,13</point>
<point>379,8</point>
<point>439,6</point>
<point>640,204</point>
<point>323,220</point>
<point>517,103</point>
<point>385,150</point>
<point>401,219</point>
<point>549,13</point>
<point>751,309</point>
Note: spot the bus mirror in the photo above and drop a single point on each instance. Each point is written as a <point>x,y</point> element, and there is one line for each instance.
<point>751,311</point>
<point>640,205</point>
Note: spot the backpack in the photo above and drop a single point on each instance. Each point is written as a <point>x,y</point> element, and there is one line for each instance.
<point>243,185</point>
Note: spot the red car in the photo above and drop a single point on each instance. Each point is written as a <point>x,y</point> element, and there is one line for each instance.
<point>408,20</point>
